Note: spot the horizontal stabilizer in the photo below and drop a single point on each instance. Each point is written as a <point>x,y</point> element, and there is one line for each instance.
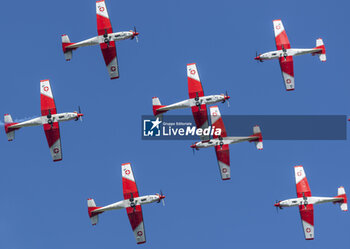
<point>156,105</point>
<point>93,215</point>
<point>68,53</point>
<point>322,53</point>
<point>344,202</point>
<point>9,132</point>
<point>259,140</point>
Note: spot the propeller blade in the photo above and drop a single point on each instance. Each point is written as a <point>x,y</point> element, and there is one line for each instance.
<point>137,39</point>
<point>163,202</point>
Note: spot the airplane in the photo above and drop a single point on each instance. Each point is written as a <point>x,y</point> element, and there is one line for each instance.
<point>132,203</point>
<point>306,202</point>
<point>106,38</point>
<point>285,54</point>
<point>221,143</point>
<point>49,119</point>
<point>197,101</point>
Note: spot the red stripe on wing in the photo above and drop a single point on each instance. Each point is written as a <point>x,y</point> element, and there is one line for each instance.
<point>103,24</point>
<point>128,188</point>
<point>46,104</point>
<point>307,214</point>
<point>303,187</point>
<point>52,134</point>
<point>287,65</point>
<point>109,52</point>
<point>135,217</point>
<point>200,116</point>
<point>282,39</point>
<point>223,154</point>
<point>220,124</point>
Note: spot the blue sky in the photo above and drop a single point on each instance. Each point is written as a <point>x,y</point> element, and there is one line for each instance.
<point>44,203</point>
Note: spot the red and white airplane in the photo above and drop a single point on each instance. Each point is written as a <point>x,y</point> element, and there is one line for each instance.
<point>197,101</point>
<point>132,203</point>
<point>106,38</point>
<point>49,119</point>
<point>306,202</point>
<point>285,53</point>
<point>222,142</point>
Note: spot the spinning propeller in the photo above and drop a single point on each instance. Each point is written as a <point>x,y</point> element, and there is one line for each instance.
<point>193,146</point>
<point>161,197</point>
<point>226,98</point>
<point>278,206</point>
<point>135,34</point>
<point>257,57</point>
<point>79,115</point>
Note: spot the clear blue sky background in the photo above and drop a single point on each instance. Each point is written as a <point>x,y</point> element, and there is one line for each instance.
<point>43,204</point>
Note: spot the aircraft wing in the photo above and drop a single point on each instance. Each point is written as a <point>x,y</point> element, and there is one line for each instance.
<point>109,50</point>
<point>303,188</point>
<point>306,212</point>
<point>52,133</point>
<point>307,220</point>
<point>135,215</point>
<point>280,35</point>
<point>195,89</point>
<point>222,152</point>
<point>286,64</point>
<point>287,70</point>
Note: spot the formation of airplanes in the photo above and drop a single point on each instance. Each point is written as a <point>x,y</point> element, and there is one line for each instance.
<point>132,203</point>
<point>106,39</point>
<point>198,102</point>
<point>285,53</point>
<point>49,120</point>
<point>221,142</point>
<point>306,202</point>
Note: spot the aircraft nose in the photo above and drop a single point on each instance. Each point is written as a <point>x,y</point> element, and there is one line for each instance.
<point>257,58</point>
<point>193,146</point>
<point>277,204</point>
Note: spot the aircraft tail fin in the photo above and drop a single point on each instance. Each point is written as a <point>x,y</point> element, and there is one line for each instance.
<point>343,203</point>
<point>156,105</point>
<point>322,53</point>
<point>93,215</point>
<point>68,52</point>
<point>259,140</point>
<point>9,132</point>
